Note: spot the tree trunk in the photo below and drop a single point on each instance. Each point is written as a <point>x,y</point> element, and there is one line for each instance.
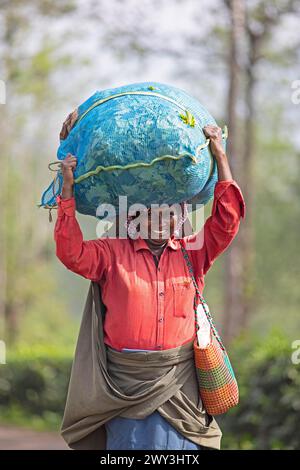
<point>233,267</point>
<point>247,228</point>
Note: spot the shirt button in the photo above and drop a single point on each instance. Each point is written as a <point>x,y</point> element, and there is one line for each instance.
<point>159,347</point>
<point>161,319</point>
<point>161,294</point>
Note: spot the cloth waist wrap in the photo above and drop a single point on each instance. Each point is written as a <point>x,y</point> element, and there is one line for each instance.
<point>105,383</point>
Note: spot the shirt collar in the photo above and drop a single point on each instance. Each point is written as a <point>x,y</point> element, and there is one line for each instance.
<point>140,244</point>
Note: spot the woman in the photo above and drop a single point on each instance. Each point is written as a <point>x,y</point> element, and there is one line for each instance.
<point>148,295</point>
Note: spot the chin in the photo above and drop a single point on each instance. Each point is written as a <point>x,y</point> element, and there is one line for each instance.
<point>158,241</point>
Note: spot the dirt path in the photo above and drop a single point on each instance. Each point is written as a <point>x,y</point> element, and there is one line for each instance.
<point>19,438</point>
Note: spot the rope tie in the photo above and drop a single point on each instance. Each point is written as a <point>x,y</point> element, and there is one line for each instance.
<point>100,168</point>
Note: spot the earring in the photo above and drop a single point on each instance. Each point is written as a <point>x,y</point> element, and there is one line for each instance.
<point>181,220</point>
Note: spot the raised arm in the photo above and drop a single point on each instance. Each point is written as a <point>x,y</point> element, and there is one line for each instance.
<point>89,259</point>
<point>228,207</point>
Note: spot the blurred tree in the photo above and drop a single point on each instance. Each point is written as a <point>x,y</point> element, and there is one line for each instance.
<point>259,20</point>
<point>26,67</point>
<point>233,265</point>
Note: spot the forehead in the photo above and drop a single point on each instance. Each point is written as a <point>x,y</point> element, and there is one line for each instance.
<point>158,210</point>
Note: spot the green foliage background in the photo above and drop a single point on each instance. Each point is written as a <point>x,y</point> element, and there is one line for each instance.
<point>48,70</point>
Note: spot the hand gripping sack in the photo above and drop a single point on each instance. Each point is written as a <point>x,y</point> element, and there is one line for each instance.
<point>144,141</point>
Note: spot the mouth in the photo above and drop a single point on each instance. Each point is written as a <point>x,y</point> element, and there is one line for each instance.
<point>164,230</point>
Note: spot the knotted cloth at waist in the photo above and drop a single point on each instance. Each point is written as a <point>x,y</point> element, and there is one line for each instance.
<point>106,383</point>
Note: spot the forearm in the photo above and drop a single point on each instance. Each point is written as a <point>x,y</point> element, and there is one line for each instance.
<point>67,191</point>
<point>224,172</point>
<point>214,134</point>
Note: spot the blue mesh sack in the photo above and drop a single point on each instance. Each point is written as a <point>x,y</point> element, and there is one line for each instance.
<point>144,141</point>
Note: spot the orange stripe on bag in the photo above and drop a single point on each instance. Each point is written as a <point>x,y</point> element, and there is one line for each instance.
<point>208,358</point>
<point>218,401</point>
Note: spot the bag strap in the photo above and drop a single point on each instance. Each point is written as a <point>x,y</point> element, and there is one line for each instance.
<point>203,302</point>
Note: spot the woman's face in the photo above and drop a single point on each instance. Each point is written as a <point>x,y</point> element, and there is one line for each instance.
<point>157,224</point>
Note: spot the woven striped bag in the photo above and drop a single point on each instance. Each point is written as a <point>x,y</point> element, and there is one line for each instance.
<point>217,383</point>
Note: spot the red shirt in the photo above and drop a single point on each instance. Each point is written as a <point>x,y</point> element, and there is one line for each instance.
<point>148,307</point>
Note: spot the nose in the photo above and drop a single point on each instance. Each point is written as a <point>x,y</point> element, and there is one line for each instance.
<point>160,220</point>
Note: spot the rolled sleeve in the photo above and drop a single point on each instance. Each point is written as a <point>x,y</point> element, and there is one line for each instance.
<point>66,206</point>
<point>222,226</point>
<point>230,194</point>
<point>88,258</point>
